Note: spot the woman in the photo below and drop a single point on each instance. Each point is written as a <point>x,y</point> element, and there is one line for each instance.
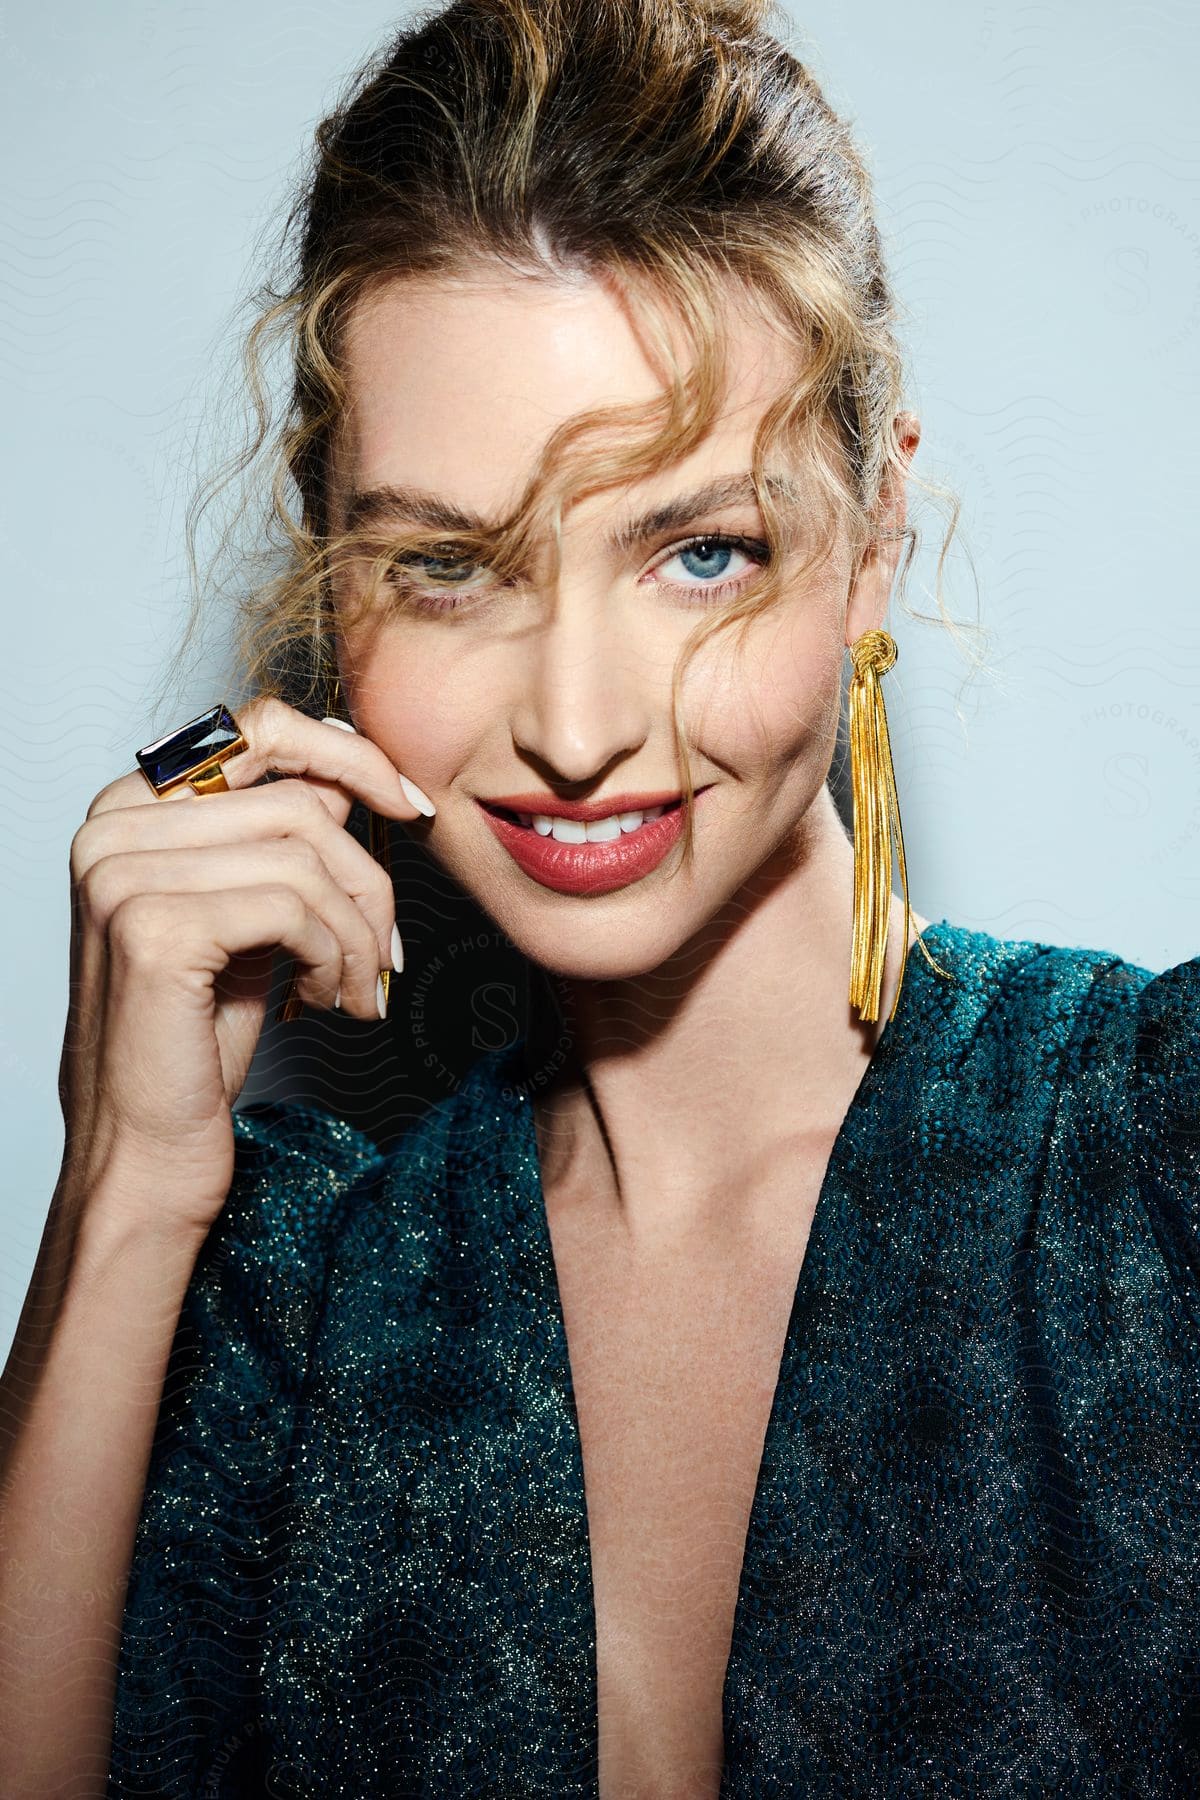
<point>789,1390</point>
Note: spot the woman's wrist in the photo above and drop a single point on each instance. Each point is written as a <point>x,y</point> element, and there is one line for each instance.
<point>99,1222</point>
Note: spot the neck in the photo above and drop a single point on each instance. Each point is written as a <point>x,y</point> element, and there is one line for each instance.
<point>685,1082</point>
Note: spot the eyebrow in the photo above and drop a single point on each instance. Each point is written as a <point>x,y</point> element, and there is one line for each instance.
<point>373,505</point>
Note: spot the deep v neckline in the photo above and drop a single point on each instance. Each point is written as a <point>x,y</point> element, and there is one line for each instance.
<point>893,1042</point>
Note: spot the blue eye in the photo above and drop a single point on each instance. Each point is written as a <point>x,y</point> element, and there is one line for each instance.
<point>439,572</point>
<point>707,560</point>
<point>710,554</point>
<point>438,567</point>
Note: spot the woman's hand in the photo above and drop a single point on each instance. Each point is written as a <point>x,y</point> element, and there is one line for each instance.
<point>177,906</point>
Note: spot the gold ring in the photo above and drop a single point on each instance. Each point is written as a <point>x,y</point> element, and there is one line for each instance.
<point>194,753</point>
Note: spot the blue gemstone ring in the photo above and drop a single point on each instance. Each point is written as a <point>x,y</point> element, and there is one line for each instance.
<point>194,753</point>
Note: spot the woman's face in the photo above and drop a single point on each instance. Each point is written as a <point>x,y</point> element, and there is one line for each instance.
<point>562,690</point>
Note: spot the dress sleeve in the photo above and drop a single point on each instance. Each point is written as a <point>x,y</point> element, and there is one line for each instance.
<point>187,1714</point>
<point>1167,1113</point>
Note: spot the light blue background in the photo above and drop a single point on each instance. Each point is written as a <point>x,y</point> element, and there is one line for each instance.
<point>1038,180</point>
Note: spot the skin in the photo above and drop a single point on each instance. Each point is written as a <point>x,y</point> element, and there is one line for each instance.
<point>454,388</point>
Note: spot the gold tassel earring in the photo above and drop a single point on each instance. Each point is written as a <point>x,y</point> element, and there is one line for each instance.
<point>876,810</point>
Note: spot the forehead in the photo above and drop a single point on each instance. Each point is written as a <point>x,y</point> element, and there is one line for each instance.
<point>455,386</point>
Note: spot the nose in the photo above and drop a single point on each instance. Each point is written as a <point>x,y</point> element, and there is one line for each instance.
<point>588,691</point>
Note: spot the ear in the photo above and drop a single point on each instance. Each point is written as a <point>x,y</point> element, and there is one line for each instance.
<point>871,584</point>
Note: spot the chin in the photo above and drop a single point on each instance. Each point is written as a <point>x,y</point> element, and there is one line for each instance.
<point>616,966</point>
<point>576,948</point>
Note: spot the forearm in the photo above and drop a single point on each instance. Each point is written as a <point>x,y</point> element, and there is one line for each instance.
<point>79,1401</point>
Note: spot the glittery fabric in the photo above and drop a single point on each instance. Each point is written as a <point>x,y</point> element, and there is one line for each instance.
<point>973,1559</point>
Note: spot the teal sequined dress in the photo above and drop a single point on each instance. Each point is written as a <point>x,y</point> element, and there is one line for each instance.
<point>973,1557</point>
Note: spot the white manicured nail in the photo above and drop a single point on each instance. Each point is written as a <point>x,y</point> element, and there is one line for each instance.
<point>397,950</point>
<point>337,998</point>
<point>421,801</point>
<point>343,723</point>
<point>380,997</point>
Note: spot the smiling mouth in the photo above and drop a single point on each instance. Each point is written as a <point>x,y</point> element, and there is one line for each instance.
<point>588,857</point>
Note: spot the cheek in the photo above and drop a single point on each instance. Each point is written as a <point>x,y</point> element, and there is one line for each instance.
<point>774,701</point>
<point>418,704</point>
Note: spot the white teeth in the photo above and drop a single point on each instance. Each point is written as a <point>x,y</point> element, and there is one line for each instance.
<point>597,831</point>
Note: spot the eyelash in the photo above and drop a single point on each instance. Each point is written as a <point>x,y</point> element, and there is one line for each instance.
<point>692,593</point>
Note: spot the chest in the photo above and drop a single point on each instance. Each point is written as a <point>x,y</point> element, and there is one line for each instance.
<point>675,1356</point>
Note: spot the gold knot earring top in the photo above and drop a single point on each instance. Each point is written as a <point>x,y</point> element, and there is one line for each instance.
<point>876,809</point>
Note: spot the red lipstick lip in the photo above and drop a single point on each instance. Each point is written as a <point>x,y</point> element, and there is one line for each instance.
<point>592,867</point>
<point>584,810</point>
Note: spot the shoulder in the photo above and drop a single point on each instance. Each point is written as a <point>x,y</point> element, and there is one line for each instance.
<point>1097,1053</point>
<point>1083,1003</point>
<point>1031,971</point>
<point>1074,1044</point>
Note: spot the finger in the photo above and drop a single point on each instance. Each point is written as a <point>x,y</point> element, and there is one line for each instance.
<point>256,816</point>
<point>339,763</point>
<point>131,790</point>
<point>291,862</point>
<point>341,766</point>
<point>157,939</point>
